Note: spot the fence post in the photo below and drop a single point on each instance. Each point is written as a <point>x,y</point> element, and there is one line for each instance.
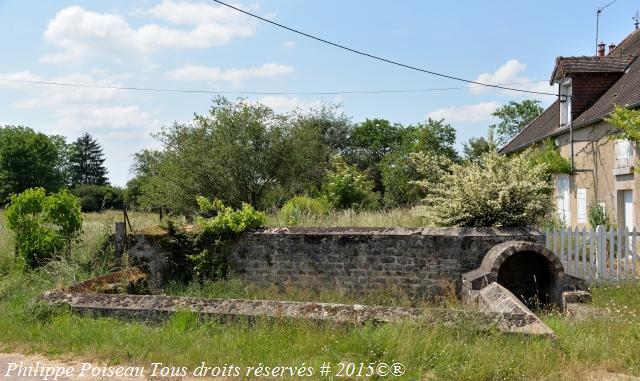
<point>612,250</point>
<point>583,259</point>
<point>562,259</point>
<point>567,267</point>
<point>119,241</point>
<point>634,253</point>
<point>600,253</point>
<point>592,253</point>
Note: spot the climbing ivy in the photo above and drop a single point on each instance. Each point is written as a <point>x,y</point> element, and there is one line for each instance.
<point>218,225</point>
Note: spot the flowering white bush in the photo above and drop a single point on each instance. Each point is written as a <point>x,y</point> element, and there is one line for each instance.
<point>495,191</point>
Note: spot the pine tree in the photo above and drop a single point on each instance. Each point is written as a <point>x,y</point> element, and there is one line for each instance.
<point>86,162</point>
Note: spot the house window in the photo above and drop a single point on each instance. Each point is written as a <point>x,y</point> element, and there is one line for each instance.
<point>624,154</point>
<point>565,102</point>
<point>581,200</point>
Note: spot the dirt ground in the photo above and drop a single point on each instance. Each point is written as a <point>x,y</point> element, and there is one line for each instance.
<point>39,365</point>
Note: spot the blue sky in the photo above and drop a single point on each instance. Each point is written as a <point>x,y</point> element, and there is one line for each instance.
<point>196,44</point>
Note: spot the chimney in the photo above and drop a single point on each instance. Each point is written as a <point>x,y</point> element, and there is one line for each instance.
<point>611,47</point>
<point>601,49</point>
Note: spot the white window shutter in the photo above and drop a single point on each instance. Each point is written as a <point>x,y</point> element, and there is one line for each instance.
<point>581,196</point>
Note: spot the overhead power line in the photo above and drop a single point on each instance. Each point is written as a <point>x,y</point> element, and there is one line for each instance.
<point>202,91</point>
<point>387,60</point>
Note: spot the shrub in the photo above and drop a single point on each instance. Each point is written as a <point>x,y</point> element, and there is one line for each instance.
<point>597,215</point>
<point>216,231</point>
<point>348,188</point>
<point>496,191</point>
<point>301,208</point>
<point>549,156</point>
<point>43,224</point>
<point>95,197</point>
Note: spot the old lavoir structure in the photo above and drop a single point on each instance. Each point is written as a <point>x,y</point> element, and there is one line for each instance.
<point>602,167</point>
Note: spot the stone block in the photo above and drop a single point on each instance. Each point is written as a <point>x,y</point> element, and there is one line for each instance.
<point>517,318</point>
<point>575,297</point>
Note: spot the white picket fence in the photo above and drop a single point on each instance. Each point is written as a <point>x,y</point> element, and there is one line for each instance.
<point>597,255</point>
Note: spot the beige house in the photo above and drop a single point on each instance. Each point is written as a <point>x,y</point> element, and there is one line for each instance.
<point>602,166</point>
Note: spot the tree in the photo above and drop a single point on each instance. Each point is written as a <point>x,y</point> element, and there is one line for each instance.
<point>514,116</point>
<point>627,121</point>
<point>312,138</point>
<point>399,171</point>
<point>438,138</point>
<point>237,153</point>
<point>148,190</point>
<point>474,148</point>
<point>497,190</point>
<point>86,162</point>
<point>27,159</point>
<point>94,198</point>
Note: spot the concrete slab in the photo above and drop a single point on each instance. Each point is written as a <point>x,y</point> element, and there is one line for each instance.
<point>517,317</point>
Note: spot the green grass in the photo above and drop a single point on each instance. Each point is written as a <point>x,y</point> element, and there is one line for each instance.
<point>414,217</point>
<point>239,289</point>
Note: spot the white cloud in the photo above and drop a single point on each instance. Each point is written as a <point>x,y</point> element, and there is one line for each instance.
<point>511,73</point>
<point>281,103</point>
<point>213,73</point>
<point>77,109</point>
<point>80,33</point>
<point>106,118</point>
<point>475,113</point>
<point>289,44</point>
<point>51,96</point>
<point>188,13</point>
<point>505,74</point>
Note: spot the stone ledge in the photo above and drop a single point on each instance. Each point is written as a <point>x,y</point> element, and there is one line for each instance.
<point>158,308</point>
<point>446,231</point>
<point>149,305</point>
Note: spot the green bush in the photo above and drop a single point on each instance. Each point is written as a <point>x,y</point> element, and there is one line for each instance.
<point>549,156</point>
<point>223,225</point>
<point>301,208</point>
<point>597,215</point>
<point>43,225</point>
<point>348,188</point>
<point>94,198</point>
<point>496,191</point>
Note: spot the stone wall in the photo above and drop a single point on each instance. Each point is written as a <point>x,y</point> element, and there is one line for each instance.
<point>421,262</point>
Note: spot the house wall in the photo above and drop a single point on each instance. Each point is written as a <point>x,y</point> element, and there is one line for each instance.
<point>594,161</point>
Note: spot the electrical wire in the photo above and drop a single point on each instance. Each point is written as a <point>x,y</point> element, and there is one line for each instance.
<point>202,91</point>
<point>387,60</point>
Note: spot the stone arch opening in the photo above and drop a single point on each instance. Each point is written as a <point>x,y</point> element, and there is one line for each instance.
<point>530,277</point>
<point>529,270</point>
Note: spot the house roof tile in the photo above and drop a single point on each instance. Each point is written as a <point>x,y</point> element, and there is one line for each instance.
<point>590,64</point>
<point>544,125</point>
<point>624,92</point>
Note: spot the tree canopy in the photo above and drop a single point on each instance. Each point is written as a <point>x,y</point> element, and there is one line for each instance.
<point>513,117</point>
<point>28,159</point>
<point>86,162</point>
